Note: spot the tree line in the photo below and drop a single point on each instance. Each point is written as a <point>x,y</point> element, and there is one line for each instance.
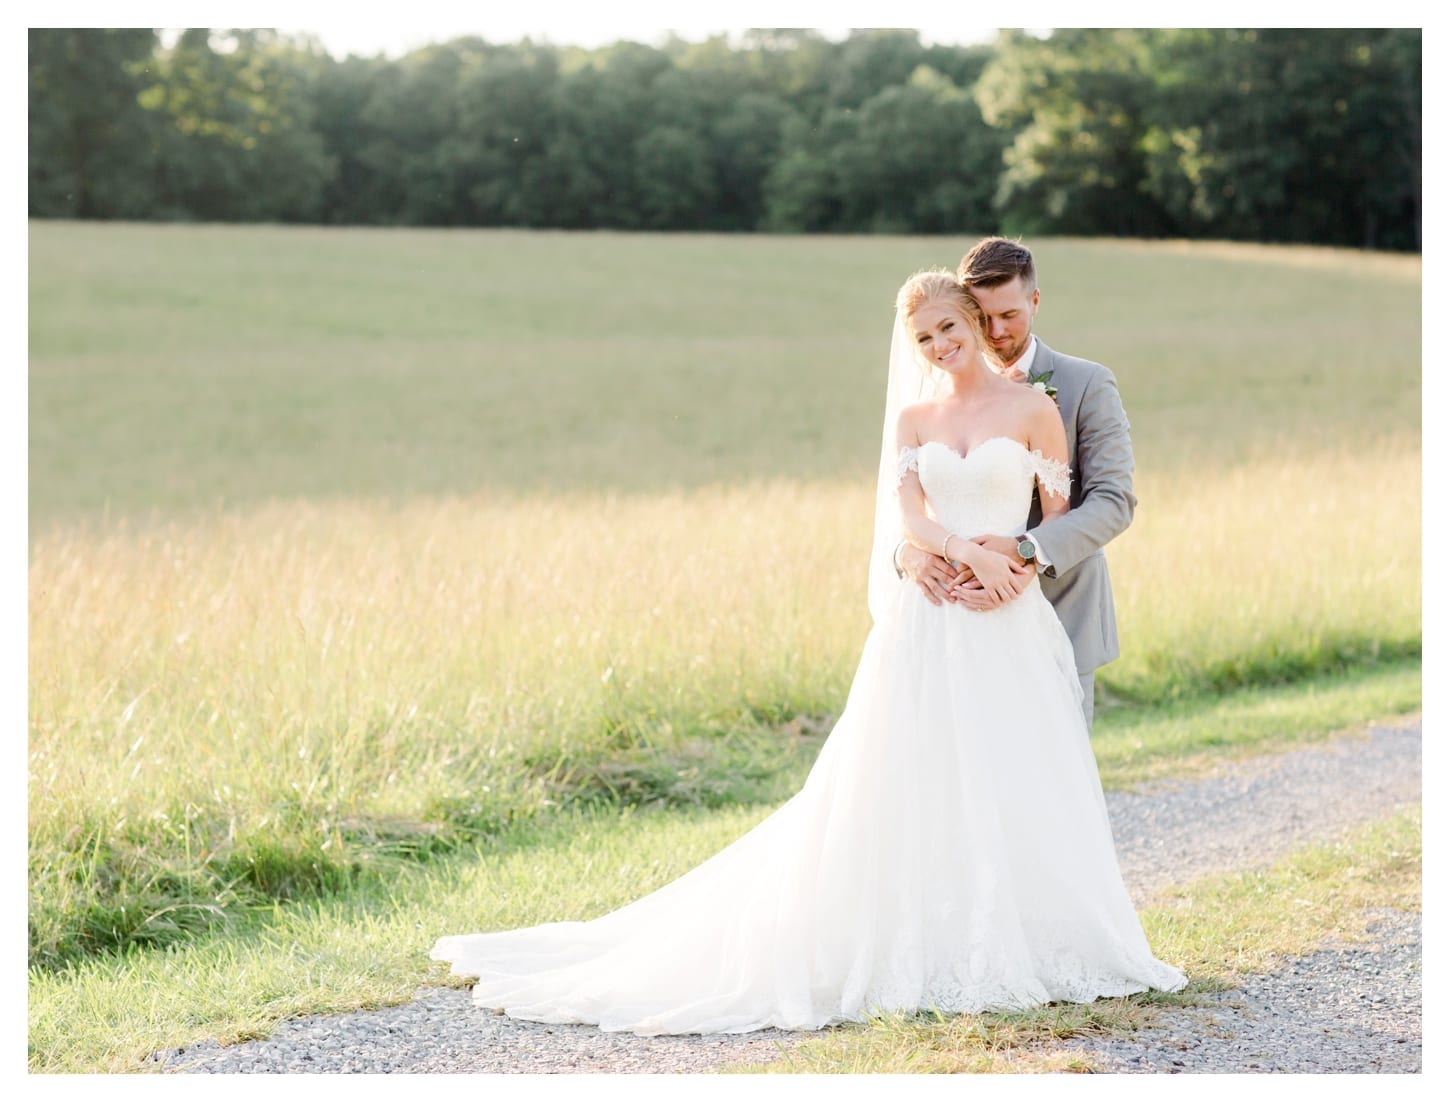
<point>1278,135</point>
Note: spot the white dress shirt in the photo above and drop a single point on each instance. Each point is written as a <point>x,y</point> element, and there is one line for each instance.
<point>1024,362</point>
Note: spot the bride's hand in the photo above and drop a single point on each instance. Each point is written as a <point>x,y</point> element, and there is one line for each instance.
<point>995,572</point>
<point>974,595</point>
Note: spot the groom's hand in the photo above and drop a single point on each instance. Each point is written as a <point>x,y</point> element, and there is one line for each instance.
<point>936,577</point>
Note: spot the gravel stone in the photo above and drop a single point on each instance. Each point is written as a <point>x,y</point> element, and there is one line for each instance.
<point>1344,1008</point>
<point>1248,814</point>
<point>1348,1008</point>
<point>442,1031</point>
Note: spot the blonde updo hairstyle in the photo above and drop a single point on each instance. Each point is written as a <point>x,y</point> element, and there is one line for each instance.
<point>939,285</point>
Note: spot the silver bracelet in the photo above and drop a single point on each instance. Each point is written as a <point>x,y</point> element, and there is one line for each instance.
<point>944,547</point>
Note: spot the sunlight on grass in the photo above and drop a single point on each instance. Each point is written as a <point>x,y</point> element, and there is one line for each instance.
<point>253,693</point>
<point>352,548</point>
<point>367,950</point>
<point>1188,737</point>
<point>263,699</point>
<point>1202,603</point>
<point>1246,922</point>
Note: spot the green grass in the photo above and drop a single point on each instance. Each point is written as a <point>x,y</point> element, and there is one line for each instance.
<point>368,948</point>
<point>353,547</point>
<point>1186,736</point>
<point>181,367</point>
<point>362,948</point>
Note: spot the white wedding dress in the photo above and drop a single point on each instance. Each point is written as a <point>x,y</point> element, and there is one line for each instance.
<point>950,849</point>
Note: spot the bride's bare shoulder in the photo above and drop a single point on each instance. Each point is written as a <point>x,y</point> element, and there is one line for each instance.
<point>911,419</point>
<point>1031,401</point>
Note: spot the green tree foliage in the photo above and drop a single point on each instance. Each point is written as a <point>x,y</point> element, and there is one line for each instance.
<point>676,178</point>
<point>508,108</point>
<point>803,187</point>
<point>870,61</point>
<point>1279,135</point>
<point>795,65</point>
<point>1289,135</point>
<point>91,141</point>
<point>921,160</point>
<point>1268,135</point>
<point>1074,104</point>
<point>747,142</point>
<point>235,141</point>
<point>418,153</point>
<point>357,191</point>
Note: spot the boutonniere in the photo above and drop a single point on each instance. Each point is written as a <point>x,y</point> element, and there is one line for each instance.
<point>1043,383</point>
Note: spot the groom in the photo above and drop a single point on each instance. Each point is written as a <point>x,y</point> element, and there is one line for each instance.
<point>1001,276</point>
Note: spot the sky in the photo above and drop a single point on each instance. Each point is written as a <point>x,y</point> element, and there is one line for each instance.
<point>393,30</point>
<point>368,40</point>
<point>598,25</point>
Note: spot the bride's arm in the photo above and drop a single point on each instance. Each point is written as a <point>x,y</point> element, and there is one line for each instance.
<point>1047,440</point>
<point>994,571</point>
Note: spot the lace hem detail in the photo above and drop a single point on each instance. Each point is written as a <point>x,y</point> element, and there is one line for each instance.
<point>906,461</point>
<point>1054,477</point>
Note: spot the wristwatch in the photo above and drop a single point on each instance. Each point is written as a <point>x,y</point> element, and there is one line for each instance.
<point>1026,549</point>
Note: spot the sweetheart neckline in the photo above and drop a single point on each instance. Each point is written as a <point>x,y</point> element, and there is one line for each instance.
<point>972,451</point>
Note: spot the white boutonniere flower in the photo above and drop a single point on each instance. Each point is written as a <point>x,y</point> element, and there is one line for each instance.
<point>1042,382</point>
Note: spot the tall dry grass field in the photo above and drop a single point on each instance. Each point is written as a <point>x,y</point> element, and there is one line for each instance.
<point>347,543</point>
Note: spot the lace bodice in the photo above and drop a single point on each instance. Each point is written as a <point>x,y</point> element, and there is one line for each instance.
<point>988,490</point>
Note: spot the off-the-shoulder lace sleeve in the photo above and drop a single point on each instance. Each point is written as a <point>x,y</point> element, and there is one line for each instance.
<point>905,461</point>
<point>1054,477</point>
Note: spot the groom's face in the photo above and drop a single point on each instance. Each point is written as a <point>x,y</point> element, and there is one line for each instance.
<point>1010,308</point>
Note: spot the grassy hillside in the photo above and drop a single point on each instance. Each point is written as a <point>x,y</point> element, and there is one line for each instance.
<point>362,544</point>
<point>178,368</point>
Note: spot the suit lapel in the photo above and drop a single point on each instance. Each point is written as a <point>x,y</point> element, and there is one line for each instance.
<point>1068,397</point>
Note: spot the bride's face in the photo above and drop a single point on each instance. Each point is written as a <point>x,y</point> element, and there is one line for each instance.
<point>944,337</point>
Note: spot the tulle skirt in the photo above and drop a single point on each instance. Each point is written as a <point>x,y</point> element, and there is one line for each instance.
<point>950,850</point>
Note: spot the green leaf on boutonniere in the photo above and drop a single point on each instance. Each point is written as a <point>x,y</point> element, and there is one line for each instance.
<point>1042,382</point>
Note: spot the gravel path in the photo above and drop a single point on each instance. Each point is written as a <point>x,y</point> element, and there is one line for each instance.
<point>1345,1008</point>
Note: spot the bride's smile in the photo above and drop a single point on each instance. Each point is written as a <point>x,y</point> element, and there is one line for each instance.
<point>944,340</point>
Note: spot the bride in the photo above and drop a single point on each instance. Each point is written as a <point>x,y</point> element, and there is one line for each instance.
<point>950,849</point>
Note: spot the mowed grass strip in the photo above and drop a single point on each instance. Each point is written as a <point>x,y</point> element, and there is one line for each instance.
<point>364,948</point>
<point>368,949</point>
<point>175,368</point>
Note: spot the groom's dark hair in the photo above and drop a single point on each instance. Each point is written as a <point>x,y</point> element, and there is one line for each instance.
<point>994,261</point>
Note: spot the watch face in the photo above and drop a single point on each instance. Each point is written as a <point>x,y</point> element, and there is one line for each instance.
<point>1026,550</point>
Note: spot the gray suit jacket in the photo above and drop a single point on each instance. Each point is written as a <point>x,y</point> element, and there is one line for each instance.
<point>1100,453</point>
